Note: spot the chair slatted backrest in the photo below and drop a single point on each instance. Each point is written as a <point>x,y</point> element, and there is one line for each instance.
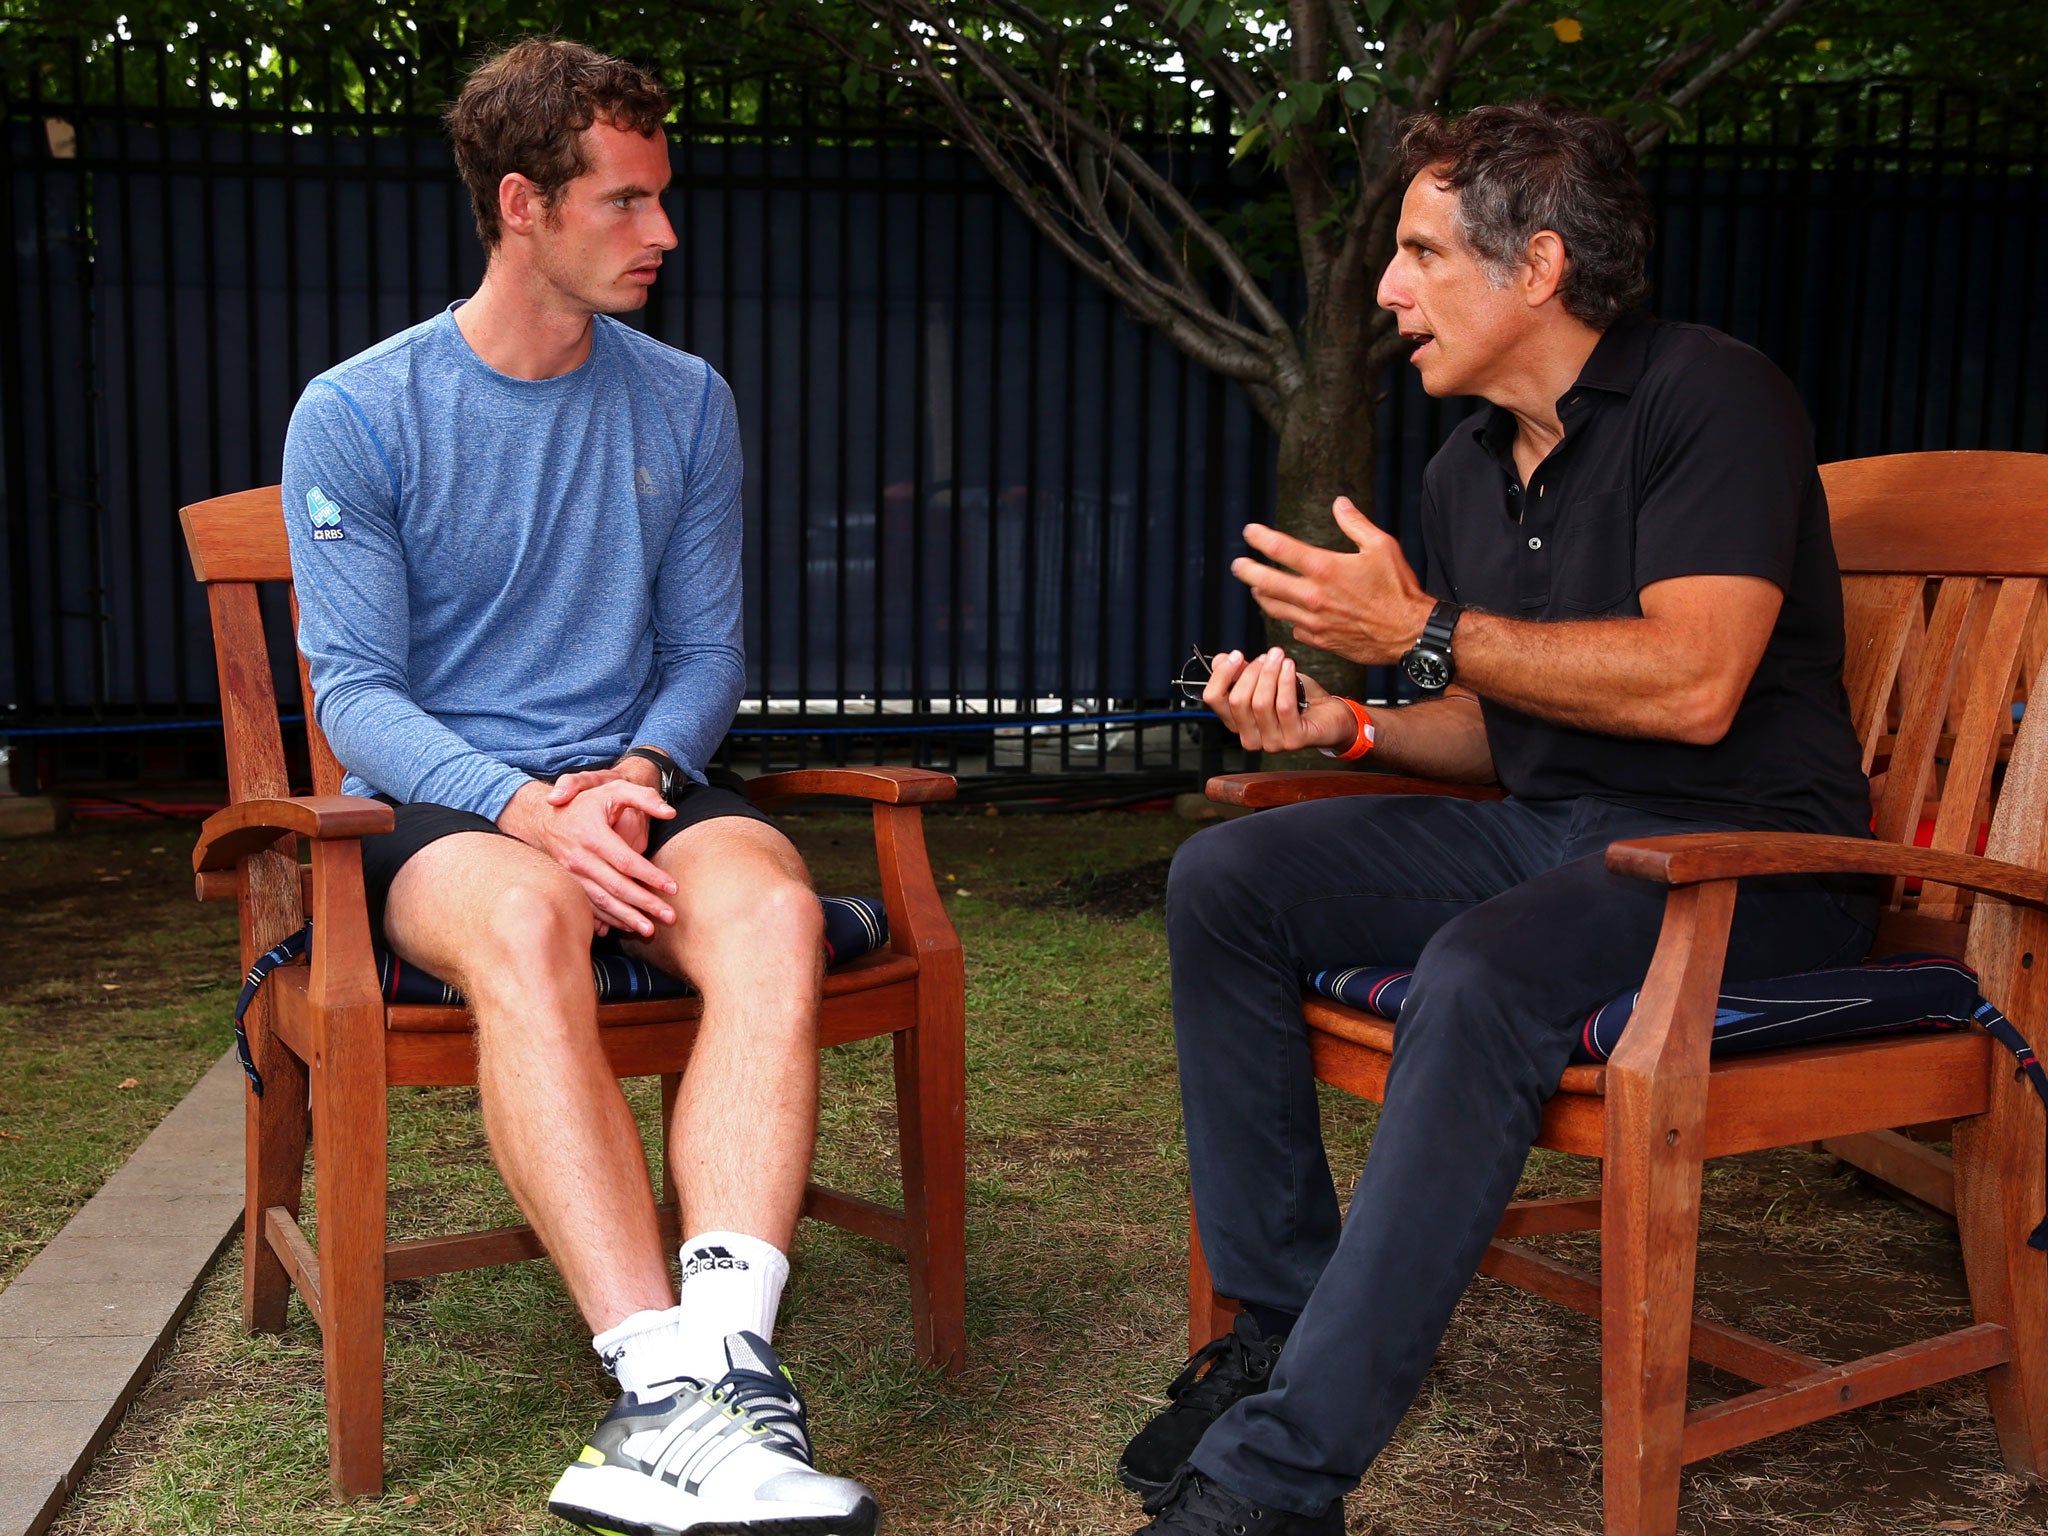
<point>1943,558</point>
<point>237,543</point>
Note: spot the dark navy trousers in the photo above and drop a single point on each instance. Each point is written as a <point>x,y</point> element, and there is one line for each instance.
<point>1517,931</point>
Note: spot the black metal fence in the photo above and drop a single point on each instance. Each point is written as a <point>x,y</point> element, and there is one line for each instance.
<point>976,492</point>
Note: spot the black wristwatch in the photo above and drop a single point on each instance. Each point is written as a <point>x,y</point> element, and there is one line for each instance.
<point>1428,661</point>
<point>672,777</point>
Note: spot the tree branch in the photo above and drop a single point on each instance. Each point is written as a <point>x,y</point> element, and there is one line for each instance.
<point>1024,93</point>
<point>1716,67</point>
<point>1350,39</point>
<point>1183,313</point>
<point>1483,34</point>
<point>1241,88</point>
<point>1664,73</point>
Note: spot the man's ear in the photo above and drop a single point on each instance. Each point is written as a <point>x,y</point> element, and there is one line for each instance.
<point>520,204</point>
<point>1543,267</point>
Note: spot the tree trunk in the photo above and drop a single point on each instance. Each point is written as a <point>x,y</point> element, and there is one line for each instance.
<point>1328,448</point>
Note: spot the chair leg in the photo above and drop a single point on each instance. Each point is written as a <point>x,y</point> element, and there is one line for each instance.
<point>274,1168</point>
<point>931,1086</point>
<point>1649,1243</point>
<point>1999,1197</point>
<point>350,1173</point>
<point>1210,1316</point>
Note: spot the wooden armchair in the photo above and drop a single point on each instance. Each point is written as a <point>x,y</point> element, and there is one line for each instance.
<point>1943,556</point>
<point>321,1033</point>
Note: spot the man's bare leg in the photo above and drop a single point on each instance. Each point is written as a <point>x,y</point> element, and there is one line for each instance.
<point>507,926</point>
<point>750,937</point>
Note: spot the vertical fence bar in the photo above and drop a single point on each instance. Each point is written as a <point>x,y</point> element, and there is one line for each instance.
<point>992,625</point>
<point>956,361</point>
<point>251,319</point>
<point>1033,308</point>
<point>53,491</point>
<point>879,523</point>
<point>138,517</point>
<point>841,365</point>
<point>13,431</point>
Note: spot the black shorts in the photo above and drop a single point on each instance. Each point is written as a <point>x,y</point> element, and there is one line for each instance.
<point>385,853</point>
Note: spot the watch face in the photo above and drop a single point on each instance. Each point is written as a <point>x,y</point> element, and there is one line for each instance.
<point>1427,669</point>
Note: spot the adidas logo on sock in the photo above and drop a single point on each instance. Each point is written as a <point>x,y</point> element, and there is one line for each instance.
<point>704,1259</point>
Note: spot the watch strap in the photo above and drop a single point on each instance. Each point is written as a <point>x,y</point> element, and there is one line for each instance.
<point>1443,618</point>
<point>671,775</point>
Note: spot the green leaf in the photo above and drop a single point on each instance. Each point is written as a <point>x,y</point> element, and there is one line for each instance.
<point>1360,92</point>
<point>1308,97</point>
<point>1284,113</point>
<point>1377,10</point>
<point>1248,142</point>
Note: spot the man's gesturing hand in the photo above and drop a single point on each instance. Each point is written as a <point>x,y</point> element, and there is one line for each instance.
<point>1367,607</point>
<point>1255,698</point>
<point>596,833</point>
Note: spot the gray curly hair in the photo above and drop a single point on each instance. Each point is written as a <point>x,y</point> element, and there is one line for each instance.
<point>1526,166</point>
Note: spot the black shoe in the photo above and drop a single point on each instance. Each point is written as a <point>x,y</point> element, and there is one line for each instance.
<point>1192,1505</point>
<point>1237,1365</point>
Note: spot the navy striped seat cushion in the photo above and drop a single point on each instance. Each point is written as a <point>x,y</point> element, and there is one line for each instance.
<point>1903,994</point>
<point>1892,996</point>
<point>854,926</point>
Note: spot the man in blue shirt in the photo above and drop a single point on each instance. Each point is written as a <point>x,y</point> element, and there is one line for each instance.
<point>516,543</point>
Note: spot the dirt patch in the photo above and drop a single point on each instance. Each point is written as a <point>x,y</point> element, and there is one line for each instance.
<point>1118,893</point>
<point>84,913</point>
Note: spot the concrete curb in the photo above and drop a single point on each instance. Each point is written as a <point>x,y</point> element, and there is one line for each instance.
<point>82,1326</point>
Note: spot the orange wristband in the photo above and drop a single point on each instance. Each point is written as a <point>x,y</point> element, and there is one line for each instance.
<point>1364,741</point>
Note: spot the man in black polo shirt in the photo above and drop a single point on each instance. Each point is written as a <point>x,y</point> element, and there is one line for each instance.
<point>1631,609</point>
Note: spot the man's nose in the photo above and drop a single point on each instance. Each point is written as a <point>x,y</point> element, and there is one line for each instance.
<point>662,234</point>
<point>1392,294</point>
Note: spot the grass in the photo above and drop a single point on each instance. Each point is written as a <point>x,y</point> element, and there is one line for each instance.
<point>1076,1285</point>
<point>115,992</point>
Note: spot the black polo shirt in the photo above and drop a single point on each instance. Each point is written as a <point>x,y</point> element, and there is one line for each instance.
<point>1685,453</point>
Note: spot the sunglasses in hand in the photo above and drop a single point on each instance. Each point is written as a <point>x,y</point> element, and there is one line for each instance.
<point>1195,672</point>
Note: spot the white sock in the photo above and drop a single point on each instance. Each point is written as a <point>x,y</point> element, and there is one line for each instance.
<point>645,1352</point>
<point>732,1283</point>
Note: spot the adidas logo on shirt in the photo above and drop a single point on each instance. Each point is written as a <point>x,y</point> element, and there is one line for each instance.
<point>702,1260</point>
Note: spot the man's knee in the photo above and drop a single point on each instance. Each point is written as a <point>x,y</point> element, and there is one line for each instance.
<point>1207,883</point>
<point>534,926</point>
<point>1464,985</point>
<point>782,914</point>
<point>763,916</point>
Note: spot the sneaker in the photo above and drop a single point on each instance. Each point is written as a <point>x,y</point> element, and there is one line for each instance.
<point>1193,1505</point>
<point>729,1458</point>
<point>1222,1372</point>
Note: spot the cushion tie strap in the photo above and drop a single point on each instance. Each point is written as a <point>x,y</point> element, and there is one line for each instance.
<point>2000,1028</point>
<point>268,961</point>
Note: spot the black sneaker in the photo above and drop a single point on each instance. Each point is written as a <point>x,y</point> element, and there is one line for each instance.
<point>1193,1505</point>
<point>1222,1372</point>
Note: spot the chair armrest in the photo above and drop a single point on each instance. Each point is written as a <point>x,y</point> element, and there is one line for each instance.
<point>1259,791</point>
<point>1694,858</point>
<point>250,826</point>
<point>888,786</point>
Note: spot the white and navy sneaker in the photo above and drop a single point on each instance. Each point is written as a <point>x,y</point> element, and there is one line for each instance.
<point>722,1460</point>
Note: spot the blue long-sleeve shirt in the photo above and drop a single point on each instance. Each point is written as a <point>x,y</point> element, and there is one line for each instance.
<point>499,577</point>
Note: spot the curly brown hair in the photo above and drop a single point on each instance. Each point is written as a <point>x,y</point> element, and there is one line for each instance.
<point>525,109</point>
<point>1525,166</point>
